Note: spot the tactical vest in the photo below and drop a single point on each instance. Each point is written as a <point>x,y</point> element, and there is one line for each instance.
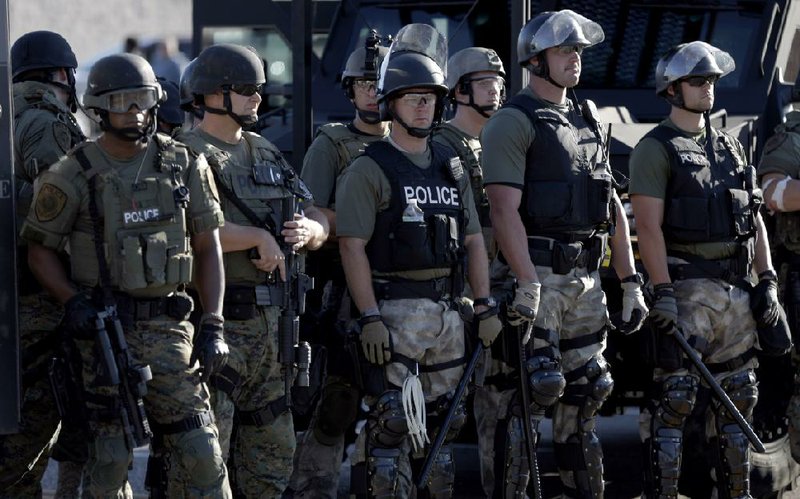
<point>437,241</point>
<point>706,201</point>
<point>469,151</point>
<point>349,144</point>
<point>261,185</point>
<point>568,192</point>
<point>145,229</point>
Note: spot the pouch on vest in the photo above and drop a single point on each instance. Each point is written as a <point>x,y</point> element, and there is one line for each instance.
<point>155,258</point>
<point>445,239</point>
<point>742,215</point>
<point>411,246</point>
<point>179,267</point>
<point>132,275</point>
<point>689,214</point>
<point>599,197</point>
<point>268,174</point>
<point>549,202</point>
<point>565,257</point>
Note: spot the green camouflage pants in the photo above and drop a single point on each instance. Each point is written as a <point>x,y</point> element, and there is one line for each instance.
<point>23,456</point>
<point>718,313</point>
<point>260,457</point>
<point>193,458</point>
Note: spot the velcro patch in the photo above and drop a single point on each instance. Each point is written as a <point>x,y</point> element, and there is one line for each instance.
<point>50,203</point>
<point>456,168</point>
<point>62,136</point>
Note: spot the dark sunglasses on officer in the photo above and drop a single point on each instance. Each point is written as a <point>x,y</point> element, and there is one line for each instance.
<point>699,81</point>
<point>246,89</point>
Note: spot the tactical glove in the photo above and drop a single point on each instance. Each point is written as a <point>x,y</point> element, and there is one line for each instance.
<point>634,309</point>
<point>525,305</point>
<point>79,317</point>
<point>488,325</point>
<point>664,314</point>
<point>764,301</point>
<point>375,340</point>
<point>209,347</point>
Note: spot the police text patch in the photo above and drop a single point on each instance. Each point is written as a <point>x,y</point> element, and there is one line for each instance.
<point>50,203</point>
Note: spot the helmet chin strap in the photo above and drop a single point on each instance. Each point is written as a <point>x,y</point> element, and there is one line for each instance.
<point>418,132</point>
<point>482,110</point>
<point>369,117</point>
<point>677,100</point>
<point>130,134</point>
<point>542,70</point>
<point>241,119</point>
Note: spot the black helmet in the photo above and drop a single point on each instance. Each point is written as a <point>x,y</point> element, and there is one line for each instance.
<point>223,65</point>
<point>41,50</point>
<point>170,111</point>
<point>187,96</point>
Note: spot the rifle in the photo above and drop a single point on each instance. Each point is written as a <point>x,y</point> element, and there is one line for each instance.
<point>118,368</point>
<point>448,420</point>
<point>525,397</point>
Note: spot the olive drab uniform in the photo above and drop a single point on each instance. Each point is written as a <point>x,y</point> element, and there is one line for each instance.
<point>256,429</point>
<point>566,208</point>
<point>709,226</point>
<point>782,156</point>
<point>44,130</point>
<point>417,258</point>
<point>318,459</point>
<point>148,207</point>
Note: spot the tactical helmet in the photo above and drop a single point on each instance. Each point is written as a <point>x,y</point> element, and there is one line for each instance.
<point>356,66</point>
<point>120,73</point>
<point>691,59</point>
<point>472,60</point>
<point>41,50</point>
<point>170,112</point>
<point>187,98</point>
<point>224,65</point>
<point>555,28</point>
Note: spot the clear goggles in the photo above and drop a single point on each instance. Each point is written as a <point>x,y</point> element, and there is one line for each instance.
<point>123,100</point>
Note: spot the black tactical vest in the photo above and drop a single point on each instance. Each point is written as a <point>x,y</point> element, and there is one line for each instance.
<point>568,187</point>
<point>706,201</point>
<point>437,241</point>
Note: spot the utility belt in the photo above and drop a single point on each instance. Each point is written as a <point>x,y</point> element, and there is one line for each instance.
<point>241,302</point>
<point>177,305</point>
<point>732,270</point>
<point>434,289</point>
<point>563,256</point>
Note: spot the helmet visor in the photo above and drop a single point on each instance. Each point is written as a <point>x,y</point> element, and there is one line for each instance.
<point>122,101</point>
<point>423,39</point>
<point>698,59</point>
<point>567,28</point>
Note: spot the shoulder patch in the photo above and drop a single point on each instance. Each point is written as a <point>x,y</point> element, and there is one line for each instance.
<point>50,203</point>
<point>775,142</point>
<point>62,135</point>
<point>456,168</point>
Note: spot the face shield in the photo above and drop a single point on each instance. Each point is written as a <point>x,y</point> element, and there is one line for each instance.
<point>422,39</point>
<point>697,59</point>
<point>566,27</point>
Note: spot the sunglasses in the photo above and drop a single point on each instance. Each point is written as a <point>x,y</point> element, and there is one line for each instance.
<point>246,89</point>
<point>699,81</point>
<point>417,100</point>
<point>365,86</point>
<point>569,49</point>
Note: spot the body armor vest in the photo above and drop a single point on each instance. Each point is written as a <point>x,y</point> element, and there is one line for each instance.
<point>568,192</point>
<point>707,199</point>
<point>261,185</point>
<point>402,241</point>
<point>469,151</point>
<point>349,144</point>
<point>145,227</point>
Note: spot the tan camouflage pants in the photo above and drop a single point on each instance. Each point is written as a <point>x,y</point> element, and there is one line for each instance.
<point>194,458</point>
<point>23,456</point>
<point>261,455</point>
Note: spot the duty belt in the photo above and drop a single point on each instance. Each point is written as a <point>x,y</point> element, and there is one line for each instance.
<point>433,289</point>
<point>176,305</point>
<point>563,257</point>
<point>727,269</point>
<point>260,295</point>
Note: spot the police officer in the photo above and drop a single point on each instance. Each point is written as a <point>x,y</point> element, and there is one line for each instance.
<point>139,212</point>
<point>254,180</point>
<point>700,235</point>
<point>477,89</point>
<point>43,72</point>
<point>170,114</point>
<point>406,221</point>
<point>778,174</point>
<point>554,209</point>
<point>319,454</point>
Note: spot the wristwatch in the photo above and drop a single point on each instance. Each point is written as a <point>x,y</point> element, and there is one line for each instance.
<point>635,277</point>
<point>489,302</point>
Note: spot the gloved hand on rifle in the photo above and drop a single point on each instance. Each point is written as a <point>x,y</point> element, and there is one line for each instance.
<point>209,346</point>
<point>664,313</point>
<point>764,300</point>
<point>375,339</point>
<point>525,305</point>
<point>634,309</point>
<point>79,317</point>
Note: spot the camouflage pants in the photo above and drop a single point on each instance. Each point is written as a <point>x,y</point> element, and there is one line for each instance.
<point>23,456</point>
<point>429,333</point>
<point>259,457</point>
<point>719,314</point>
<point>194,463</point>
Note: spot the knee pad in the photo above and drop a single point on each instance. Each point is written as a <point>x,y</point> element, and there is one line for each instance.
<point>589,397</point>
<point>546,381</point>
<point>742,388</point>
<point>107,469</point>
<point>387,424</point>
<point>201,459</point>
<point>678,395</point>
<point>337,410</point>
<point>437,411</point>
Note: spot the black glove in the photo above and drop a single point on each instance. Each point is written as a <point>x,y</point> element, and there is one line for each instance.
<point>209,348</point>
<point>764,300</point>
<point>664,312</point>
<point>79,317</point>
